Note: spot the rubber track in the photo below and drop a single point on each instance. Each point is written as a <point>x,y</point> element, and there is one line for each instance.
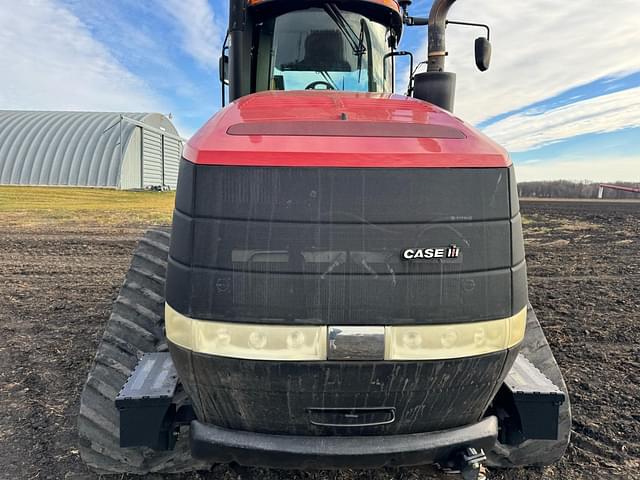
<point>537,452</point>
<point>136,326</point>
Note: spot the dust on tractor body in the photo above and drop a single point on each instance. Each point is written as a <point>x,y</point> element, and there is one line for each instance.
<point>344,282</point>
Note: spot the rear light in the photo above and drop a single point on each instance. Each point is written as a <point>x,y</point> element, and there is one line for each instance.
<point>437,342</point>
<point>309,342</point>
<point>246,340</point>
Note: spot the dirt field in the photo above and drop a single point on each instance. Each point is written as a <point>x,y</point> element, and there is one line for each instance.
<point>58,278</point>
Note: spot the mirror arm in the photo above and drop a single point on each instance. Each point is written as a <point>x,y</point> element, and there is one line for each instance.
<point>471,24</point>
<point>416,21</point>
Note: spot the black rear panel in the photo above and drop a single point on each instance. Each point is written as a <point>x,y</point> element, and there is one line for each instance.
<point>295,397</point>
<point>346,195</point>
<point>323,245</point>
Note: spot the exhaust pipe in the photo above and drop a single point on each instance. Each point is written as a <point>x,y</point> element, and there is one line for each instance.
<point>437,26</point>
<point>435,85</point>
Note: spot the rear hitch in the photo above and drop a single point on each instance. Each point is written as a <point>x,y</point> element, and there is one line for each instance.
<point>468,463</point>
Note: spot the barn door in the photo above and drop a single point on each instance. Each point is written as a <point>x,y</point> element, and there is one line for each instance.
<point>152,159</point>
<point>172,153</point>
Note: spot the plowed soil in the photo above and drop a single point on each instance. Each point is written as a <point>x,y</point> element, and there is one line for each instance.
<point>57,283</point>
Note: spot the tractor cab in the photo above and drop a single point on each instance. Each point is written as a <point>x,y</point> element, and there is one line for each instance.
<point>309,45</point>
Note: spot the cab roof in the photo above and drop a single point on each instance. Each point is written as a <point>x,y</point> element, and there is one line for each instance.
<point>392,4</point>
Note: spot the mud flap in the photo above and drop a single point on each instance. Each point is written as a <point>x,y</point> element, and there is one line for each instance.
<point>537,452</point>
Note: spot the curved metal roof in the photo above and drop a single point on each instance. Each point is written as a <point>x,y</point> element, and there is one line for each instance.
<point>66,148</point>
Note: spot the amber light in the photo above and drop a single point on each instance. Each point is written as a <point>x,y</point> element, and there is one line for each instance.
<point>247,340</point>
<point>438,342</point>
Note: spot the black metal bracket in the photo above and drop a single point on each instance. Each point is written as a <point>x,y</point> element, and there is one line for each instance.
<point>401,53</point>
<point>151,404</point>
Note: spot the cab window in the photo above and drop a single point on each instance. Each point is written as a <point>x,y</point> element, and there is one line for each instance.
<point>323,48</point>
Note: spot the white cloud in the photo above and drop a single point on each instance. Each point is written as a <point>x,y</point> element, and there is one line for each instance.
<point>607,113</point>
<point>595,169</point>
<point>50,62</point>
<point>540,49</point>
<point>201,32</point>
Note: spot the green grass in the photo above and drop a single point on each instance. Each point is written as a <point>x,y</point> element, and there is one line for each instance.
<point>57,205</point>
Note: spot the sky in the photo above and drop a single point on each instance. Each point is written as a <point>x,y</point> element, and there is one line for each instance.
<point>562,94</point>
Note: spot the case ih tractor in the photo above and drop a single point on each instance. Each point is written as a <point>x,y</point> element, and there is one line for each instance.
<point>344,282</point>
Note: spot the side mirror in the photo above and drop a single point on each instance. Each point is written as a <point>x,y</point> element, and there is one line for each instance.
<point>223,69</point>
<point>483,53</point>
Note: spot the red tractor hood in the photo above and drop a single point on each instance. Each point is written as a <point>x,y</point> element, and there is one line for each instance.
<point>340,129</point>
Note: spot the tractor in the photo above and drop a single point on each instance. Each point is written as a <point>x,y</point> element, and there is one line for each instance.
<point>344,281</point>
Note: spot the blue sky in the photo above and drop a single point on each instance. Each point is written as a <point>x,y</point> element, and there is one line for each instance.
<point>562,97</point>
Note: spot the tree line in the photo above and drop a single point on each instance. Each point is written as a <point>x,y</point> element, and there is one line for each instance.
<point>568,189</point>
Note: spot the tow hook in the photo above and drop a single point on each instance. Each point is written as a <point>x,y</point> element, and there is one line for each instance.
<point>468,463</point>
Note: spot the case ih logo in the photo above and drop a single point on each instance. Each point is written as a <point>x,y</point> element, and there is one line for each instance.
<point>451,251</point>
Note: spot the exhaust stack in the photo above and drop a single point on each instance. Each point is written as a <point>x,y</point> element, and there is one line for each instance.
<point>437,26</point>
<point>435,85</point>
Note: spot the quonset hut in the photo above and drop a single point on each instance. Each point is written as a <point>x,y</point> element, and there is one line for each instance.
<point>88,149</point>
